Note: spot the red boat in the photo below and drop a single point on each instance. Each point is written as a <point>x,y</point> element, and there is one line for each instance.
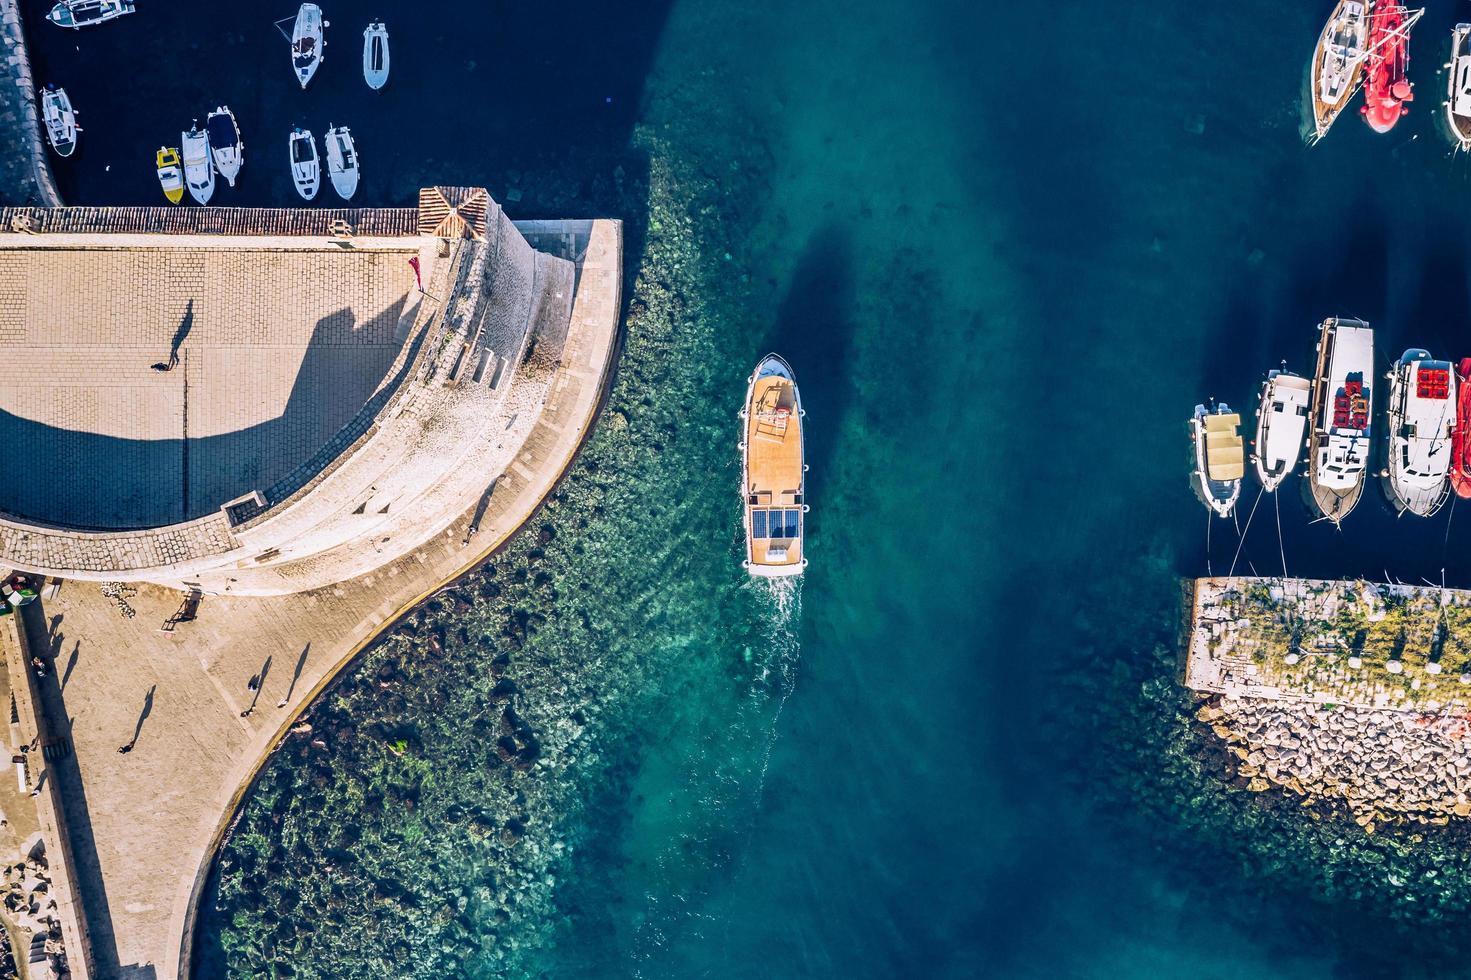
<point>1386,71</point>
<point>1461,434</point>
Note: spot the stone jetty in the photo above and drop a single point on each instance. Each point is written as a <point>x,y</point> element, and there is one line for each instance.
<point>25,175</point>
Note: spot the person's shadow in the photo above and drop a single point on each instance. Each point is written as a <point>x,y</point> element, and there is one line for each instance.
<point>181,334</point>
<point>143,716</point>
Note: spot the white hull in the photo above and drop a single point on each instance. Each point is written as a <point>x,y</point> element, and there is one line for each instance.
<point>773,483</point>
<point>1219,495</point>
<point>307,42</point>
<point>77,14</point>
<point>1458,87</point>
<point>1281,423</point>
<point>61,121</point>
<point>229,156</point>
<point>375,56</point>
<point>1422,413</point>
<point>199,171</point>
<point>1337,59</point>
<point>1342,411</point>
<point>306,169</point>
<point>342,162</point>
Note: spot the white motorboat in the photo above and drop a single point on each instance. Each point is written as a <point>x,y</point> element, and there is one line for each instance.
<point>1422,416</point>
<point>60,119</point>
<point>1219,461</point>
<point>1342,408</point>
<point>225,145</point>
<point>342,161</point>
<point>1458,87</point>
<point>199,172</point>
<point>306,169</point>
<point>307,42</point>
<point>78,14</point>
<point>375,55</point>
<point>1281,422</point>
<point>773,472</point>
<point>1340,53</point>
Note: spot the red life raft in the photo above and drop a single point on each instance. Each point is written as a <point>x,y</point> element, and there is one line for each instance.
<point>1386,73</point>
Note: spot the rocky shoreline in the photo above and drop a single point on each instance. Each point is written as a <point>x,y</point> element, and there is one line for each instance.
<point>25,174</point>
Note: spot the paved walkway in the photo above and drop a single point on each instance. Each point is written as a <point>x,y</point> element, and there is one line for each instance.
<point>146,823</point>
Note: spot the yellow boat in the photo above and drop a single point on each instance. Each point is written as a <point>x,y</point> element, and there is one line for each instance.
<point>170,177</point>
<point>773,472</point>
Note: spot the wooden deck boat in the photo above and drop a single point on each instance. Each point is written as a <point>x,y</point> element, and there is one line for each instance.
<point>306,169</point>
<point>1334,74</point>
<point>307,42</point>
<point>1219,464</point>
<point>199,170</point>
<point>1421,414</point>
<point>225,144</point>
<point>342,161</point>
<point>1342,407</point>
<point>170,174</point>
<point>78,14</point>
<point>773,472</point>
<point>60,120</point>
<point>375,55</point>
<point>1281,422</point>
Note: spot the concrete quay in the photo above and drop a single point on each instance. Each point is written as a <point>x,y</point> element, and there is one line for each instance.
<point>25,174</point>
<point>142,826</point>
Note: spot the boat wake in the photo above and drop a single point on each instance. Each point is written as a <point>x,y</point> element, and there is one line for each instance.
<point>775,677</point>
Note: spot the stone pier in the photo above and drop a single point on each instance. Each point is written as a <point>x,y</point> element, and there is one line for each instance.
<point>25,173</point>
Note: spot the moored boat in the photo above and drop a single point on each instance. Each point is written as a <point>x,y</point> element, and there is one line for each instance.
<point>78,14</point>
<point>1421,415</point>
<point>773,472</point>
<point>1334,74</point>
<point>306,169</point>
<point>1386,66</point>
<point>307,42</point>
<point>199,172</point>
<point>1281,421</point>
<point>60,119</point>
<point>1340,415</point>
<point>1458,87</point>
<point>1219,463</point>
<point>375,55</point>
<point>1461,435</point>
<point>170,176</point>
<point>342,161</point>
<point>225,145</point>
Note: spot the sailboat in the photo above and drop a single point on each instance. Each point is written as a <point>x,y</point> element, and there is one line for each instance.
<point>1386,67</point>
<point>170,176</point>
<point>342,161</point>
<point>1342,406</point>
<point>78,14</point>
<point>1422,414</point>
<point>199,172</point>
<point>225,144</point>
<point>773,472</point>
<point>375,55</point>
<point>1281,421</point>
<point>60,119</point>
<point>307,42</point>
<point>1334,74</point>
<point>1458,87</point>
<point>306,170</point>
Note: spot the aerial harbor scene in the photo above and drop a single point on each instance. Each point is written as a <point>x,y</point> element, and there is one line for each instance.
<point>737,490</point>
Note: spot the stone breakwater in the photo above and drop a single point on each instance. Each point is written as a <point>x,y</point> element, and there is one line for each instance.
<point>25,175</point>
<point>1385,766</point>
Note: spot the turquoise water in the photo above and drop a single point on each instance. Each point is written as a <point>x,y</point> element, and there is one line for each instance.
<point>1006,250</point>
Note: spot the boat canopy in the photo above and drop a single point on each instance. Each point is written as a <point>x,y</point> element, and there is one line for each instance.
<point>1224,453</point>
<point>221,129</point>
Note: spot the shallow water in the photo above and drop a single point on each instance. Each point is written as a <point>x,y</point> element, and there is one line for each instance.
<point>1006,251</point>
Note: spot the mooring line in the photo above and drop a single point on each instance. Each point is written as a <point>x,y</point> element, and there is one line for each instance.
<point>1281,550</point>
<point>1208,515</point>
<point>1241,540</point>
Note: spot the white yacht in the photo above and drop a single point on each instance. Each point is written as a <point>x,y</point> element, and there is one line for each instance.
<point>1281,423</point>
<point>342,161</point>
<point>199,171</point>
<point>225,144</point>
<point>1458,87</point>
<point>1336,62</point>
<point>307,42</point>
<point>1219,464</point>
<point>60,120</point>
<point>375,55</point>
<point>1422,416</point>
<point>78,14</point>
<point>306,169</point>
<point>773,472</point>
<point>1342,409</point>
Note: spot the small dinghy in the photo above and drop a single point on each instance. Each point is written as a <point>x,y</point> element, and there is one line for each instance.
<point>61,120</point>
<point>78,14</point>
<point>1281,422</point>
<point>225,145</point>
<point>170,176</point>
<point>1458,87</point>
<point>307,42</point>
<point>375,55</point>
<point>1338,441</point>
<point>1461,434</point>
<point>199,172</point>
<point>1219,456</point>
<point>1422,413</point>
<point>342,161</point>
<point>306,170</point>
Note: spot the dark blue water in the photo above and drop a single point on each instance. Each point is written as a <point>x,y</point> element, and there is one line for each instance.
<point>1006,249</point>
